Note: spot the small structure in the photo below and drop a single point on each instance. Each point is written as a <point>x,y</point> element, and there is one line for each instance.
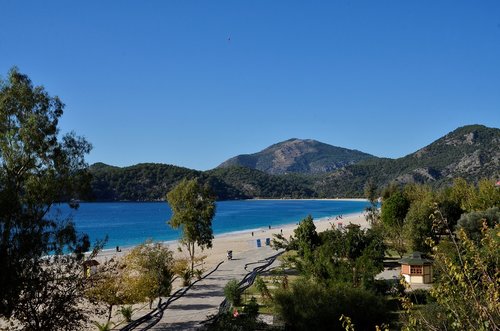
<point>89,267</point>
<point>416,269</point>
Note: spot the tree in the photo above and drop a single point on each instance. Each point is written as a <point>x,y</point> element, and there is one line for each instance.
<point>108,287</point>
<point>193,208</point>
<point>232,292</point>
<point>353,256</point>
<point>56,283</point>
<point>467,282</point>
<point>472,223</point>
<point>150,270</point>
<point>393,214</point>
<point>38,167</point>
<point>306,236</point>
<point>372,212</point>
<point>418,224</point>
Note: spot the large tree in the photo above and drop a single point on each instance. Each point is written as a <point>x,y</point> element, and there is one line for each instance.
<point>38,167</point>
<point>193,208</point>
<point>393,215</point>
<point>150,269</point>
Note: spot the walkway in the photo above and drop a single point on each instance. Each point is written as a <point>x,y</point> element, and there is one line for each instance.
<point>204,298</point>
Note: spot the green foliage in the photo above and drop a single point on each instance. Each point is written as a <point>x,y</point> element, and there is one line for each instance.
<point>475,198</point>
<point>127,312</point>
<point>418,224</point>
<point>39,166</point>
<point>104,326</point>
<point>183,270</point>
<point>252,308</point>
<point>467,284</point>
<point>193,208</point>
<point>394,210</point>
<point>141,182</point>
<point>149,182</point>
<point>393,214</point>
<point>472,223</point>
<point>149,271</point>
<point>353,256</point>
<point>261,286</point>
<point>108,287</point>
<point>244,322</point>
<point>232,292</point>
<point>371,194</point>
<point>306,237</point>
<point>470,274</point>
<point>310,306</point>
<point>239,182</point>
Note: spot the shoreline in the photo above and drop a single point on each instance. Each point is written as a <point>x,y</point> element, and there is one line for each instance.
<point>250,199</point>
<point>303,199</point>
<point>246,227</point>
<point>243,240</point>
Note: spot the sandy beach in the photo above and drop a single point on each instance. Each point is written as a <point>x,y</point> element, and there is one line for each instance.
<point>243,241</point>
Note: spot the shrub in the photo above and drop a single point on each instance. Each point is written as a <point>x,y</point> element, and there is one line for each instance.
<point>310,306</point>
<point>252,308</point>
<point>126,312</point>
<point>419,297</point>
<point>103,327</point>
<point>232,292</point>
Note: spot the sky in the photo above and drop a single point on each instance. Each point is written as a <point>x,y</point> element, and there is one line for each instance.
<point>193,83</point>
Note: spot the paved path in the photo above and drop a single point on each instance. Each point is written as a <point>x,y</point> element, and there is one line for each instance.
<point>204,298</point>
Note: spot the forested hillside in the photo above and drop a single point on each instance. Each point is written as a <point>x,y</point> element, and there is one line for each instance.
<point>471,152</point>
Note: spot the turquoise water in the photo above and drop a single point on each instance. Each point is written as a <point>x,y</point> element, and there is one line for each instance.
<point>131,223</point>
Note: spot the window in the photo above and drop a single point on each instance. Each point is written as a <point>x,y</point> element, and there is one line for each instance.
<point>416,270</point>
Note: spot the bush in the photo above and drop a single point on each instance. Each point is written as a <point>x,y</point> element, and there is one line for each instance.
<point>232,292</point>
<point>419,297</point>
<point>103,327</point>
<point>126,312</point>
<point>252,308</point>
<point>309,306</point>
<point>227,322</point>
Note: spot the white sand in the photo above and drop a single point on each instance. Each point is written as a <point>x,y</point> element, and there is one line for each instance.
<point>244,241</point>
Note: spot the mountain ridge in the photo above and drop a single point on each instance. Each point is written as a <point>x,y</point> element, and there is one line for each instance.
<point>298,156</point>
<point>471,152</point>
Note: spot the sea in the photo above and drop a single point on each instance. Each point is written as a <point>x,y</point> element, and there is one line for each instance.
<point>131,223</point>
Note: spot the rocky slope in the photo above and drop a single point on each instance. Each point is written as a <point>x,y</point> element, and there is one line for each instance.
<point>298,156</point>
<point>471,152</point>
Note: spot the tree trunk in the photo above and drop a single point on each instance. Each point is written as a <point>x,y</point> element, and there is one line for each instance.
<point>110,310</point>
<point>192,260</point>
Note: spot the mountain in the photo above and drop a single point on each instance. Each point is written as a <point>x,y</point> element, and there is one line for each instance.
<point>471,152</point>
<point>140,182</point>
<point>298,156</point>
<point>152,181</point>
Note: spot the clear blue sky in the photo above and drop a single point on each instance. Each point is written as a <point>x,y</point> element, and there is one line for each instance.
<point>160,81</point>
